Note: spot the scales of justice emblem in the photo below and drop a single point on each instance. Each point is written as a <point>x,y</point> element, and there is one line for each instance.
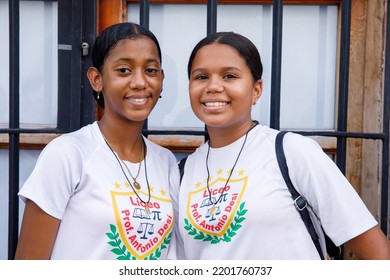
<point>213,215</point>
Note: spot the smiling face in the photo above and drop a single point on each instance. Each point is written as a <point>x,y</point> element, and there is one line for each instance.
<point>130,79</point>
<point>221,88</point>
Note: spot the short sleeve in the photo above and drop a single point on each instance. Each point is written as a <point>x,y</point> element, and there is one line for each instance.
<point>55,177</point>
<point>342,213</point>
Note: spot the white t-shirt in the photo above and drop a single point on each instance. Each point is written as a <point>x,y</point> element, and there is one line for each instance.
<point>78,180</point>
<point>255,217</point>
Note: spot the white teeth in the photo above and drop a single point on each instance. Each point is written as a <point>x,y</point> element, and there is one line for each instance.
<point>137,100</point>
<point>216,104</point>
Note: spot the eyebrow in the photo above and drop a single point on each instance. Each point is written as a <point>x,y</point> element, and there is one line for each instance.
<point>224,69</point>
<point>130,59</point>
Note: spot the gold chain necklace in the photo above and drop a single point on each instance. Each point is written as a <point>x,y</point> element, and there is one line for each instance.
<point>214,208</point>
<point>136,184</point>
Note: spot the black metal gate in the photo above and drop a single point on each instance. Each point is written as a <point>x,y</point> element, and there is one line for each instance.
<point>341,132</point>
<point>77,24</point>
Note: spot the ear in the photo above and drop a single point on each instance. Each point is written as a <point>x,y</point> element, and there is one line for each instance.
<point>257,91</point>
<point>95,79</point>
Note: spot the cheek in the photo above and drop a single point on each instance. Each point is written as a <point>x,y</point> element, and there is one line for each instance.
<point>194,89</point>
<point>157,84</point>
<point>193,100</point>
<point>112,82</point>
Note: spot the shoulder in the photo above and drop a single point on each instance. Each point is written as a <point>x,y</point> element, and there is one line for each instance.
<point>298,149</point>
<point>82,136</point>
<point>69,145</point>
<point>290,140</point>
<point>296,140</point>
<point>297,145</point>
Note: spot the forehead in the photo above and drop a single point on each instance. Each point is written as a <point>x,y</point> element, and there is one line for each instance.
<point>218,53</point>
<point>139,47</point>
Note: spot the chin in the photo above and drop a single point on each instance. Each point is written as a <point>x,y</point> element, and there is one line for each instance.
<point>215,123</point>
<point>138,116</point>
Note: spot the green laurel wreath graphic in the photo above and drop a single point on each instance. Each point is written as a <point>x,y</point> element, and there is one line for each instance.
<point>123,254</point>
<point>227,236</point>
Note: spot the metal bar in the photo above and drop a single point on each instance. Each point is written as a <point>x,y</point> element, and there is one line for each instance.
<point>75,67</point>
<point>276,67</point>
<point>211,29</point>
<point>373,136</point>
<point>344,134</point>
<point>13,206</point>
<point>64,64</point>
<point>343,86</point>
<point>196,132</point>
<point>211,16</point>
<point>384,210</point>
<point>144,14</point>
<point>88,107</point>
<point>175,132</point>
<point>341,152</point>
<point>28,130</point>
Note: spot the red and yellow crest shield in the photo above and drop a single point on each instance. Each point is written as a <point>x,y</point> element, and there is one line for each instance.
<point>142,231</point>
<point>211,210</point>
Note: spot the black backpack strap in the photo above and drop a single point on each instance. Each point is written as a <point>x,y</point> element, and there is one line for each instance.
<point>181,164</point>
<point>299,201</point>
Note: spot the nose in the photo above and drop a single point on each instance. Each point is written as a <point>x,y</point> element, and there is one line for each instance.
<point>138,80</point>
<point>214,85</point>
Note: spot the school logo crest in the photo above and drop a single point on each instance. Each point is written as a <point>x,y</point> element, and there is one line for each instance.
<point>139,232</point>
<point>218,216</point>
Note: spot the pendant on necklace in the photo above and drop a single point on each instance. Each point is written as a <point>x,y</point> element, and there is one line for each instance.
<point>136,185</point>
<point>213,209</point>
<point>147,209</point>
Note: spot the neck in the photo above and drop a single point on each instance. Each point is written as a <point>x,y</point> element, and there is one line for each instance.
<point>223,136</point>
<point>124,138</point>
